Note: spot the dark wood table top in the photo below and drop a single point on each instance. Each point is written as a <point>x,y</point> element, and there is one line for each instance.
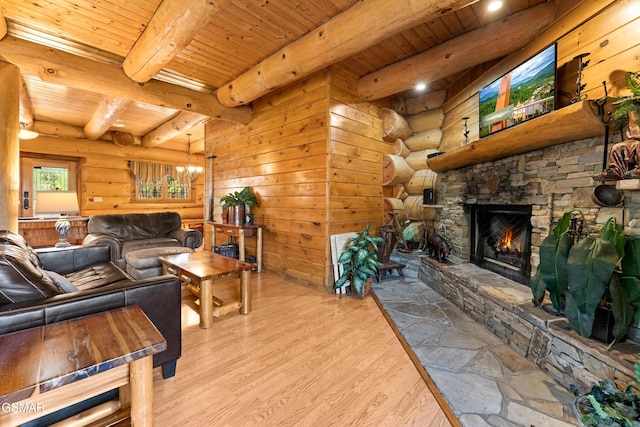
<point>205,264</point>
<point>36,360</point>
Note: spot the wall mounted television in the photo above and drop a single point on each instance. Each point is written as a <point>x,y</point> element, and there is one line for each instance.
<point>526,92</point>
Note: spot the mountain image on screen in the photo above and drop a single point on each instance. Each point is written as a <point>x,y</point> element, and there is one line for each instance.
<point>524,93</point>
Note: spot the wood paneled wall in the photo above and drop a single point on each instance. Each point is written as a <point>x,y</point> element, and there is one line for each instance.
<point>312,154</point>
<point>104,172</point>
<point>609,30</point>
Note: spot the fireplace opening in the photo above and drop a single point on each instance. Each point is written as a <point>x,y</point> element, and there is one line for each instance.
<point>500,240</point>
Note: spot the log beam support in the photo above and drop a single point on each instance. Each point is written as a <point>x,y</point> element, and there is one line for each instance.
<point>107,113</point>
<point>170,30</point>
<point>361,26</point>
<point>10,84</point>
<point>57,67</point>
<point>458,54</point>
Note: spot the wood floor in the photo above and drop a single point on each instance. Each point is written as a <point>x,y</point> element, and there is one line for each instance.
<point>300,357</point>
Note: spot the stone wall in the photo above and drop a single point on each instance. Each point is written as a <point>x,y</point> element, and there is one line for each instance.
<point>505,308</point>
<point>554,180</point>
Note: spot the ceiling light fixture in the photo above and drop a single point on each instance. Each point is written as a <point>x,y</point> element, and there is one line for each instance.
<point>189,170</point>
<point>420,86</point>
<point>494,5</point>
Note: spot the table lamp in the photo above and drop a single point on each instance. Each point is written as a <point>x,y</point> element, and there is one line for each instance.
<point>59,203</point>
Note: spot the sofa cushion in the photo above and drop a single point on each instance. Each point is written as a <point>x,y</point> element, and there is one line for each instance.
<point>97,276</point>
<point>135,226</point>
<point>20,279</point>
<point>62,282</point>
<point>136,245</point>
<point>148,258</point>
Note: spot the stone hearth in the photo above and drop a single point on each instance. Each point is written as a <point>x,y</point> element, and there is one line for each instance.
<point>505,308</point>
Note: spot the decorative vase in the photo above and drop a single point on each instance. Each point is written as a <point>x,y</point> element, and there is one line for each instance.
<point>577,408</point>
<point>236,215</point>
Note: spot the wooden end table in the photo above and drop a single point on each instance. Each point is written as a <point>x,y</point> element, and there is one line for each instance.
<point>199,270</point>
<point>50,367</point>
<point>240,232</point>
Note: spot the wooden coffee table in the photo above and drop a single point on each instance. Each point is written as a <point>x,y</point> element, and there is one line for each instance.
<point>199,270</point>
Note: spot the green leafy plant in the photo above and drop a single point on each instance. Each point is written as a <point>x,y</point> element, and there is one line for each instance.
<point>552,271</point>
<point>360,259</point>
<point>590,267</point>
<point>606,405</point>
<point>239,198</point>
<point>627,106</point>
<point>597,271</point>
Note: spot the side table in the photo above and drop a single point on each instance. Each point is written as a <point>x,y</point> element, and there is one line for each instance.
<point>239,232</point>
<point>50,367</point>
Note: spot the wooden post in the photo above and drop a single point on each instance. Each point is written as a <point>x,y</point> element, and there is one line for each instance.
<point>10,84</point>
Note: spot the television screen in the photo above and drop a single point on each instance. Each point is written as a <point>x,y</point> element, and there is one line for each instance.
<point>524,93</point>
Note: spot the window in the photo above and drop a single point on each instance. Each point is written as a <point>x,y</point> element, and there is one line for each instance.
<point>158,182</point>
<point>45,174</point>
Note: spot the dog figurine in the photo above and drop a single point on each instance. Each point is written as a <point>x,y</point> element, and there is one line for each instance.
<point>438,247</point>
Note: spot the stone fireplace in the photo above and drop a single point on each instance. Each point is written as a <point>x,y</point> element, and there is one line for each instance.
<point>522,197</point>
<point>500,239</point>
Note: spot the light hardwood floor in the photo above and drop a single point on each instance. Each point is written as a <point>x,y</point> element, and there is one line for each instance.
<point>299,358</point>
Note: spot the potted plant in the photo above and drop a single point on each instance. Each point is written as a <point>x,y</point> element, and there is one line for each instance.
<point>627,107</point>
<point>606,405</point>
<point>360,260</point>
<point>594,277</point>
<point>235,204</point>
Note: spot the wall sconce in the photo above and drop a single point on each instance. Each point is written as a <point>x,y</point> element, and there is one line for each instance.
<point>465,131</point>
<point>189,170</point>
<point>59,203</point>
<point>26,133</point>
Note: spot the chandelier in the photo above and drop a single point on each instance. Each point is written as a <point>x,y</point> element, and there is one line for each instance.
<point>189,170</point>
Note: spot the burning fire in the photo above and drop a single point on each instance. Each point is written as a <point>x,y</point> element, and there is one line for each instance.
<point>505,243</point>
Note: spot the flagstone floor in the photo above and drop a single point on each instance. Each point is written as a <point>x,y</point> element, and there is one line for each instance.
<point>484,381</point>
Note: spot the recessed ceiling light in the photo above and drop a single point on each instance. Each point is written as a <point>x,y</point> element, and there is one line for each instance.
<point>420,86</point>
<point>494,5</point>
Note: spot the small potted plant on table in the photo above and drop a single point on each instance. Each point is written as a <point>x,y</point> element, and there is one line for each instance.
<point>360,260</point>
<point>235,204</point>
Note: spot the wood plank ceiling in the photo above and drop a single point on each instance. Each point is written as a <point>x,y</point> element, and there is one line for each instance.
<point>226,42</point>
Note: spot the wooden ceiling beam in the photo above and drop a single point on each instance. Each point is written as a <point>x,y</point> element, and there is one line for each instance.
<point>491,41</point>
<point>361,26</point>
<point>65,69</point>
<point>26,112</point>
<point>3,25</point>
<point>170,30</point>
<point>107,113</point>
<point>171,128</point>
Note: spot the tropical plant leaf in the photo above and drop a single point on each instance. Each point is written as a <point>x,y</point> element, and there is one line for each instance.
<point>563,224</point>
<point>631,261</point>
<point>631,287</point>
<point>613,232</point>
<point>590,265</point>
<point>554,253</point>
<point>622,310</point>
<point>538,288</point>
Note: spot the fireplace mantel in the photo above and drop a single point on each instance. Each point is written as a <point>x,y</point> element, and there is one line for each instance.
<point>572,123</point>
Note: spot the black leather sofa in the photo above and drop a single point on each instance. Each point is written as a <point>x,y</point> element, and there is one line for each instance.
<point>125,233</point>
<point>51,285</point>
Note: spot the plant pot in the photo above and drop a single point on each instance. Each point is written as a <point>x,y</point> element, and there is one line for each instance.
<point>236,215</point>
<point>603,325</point>
<point>366,290</point>
<point>578,409</point>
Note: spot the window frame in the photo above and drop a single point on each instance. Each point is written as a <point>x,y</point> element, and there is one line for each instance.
<point>161,174</point>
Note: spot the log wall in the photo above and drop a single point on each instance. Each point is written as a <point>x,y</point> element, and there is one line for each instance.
<point>104,172</point>
<point>312,154</point>
<point>608,30</point>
